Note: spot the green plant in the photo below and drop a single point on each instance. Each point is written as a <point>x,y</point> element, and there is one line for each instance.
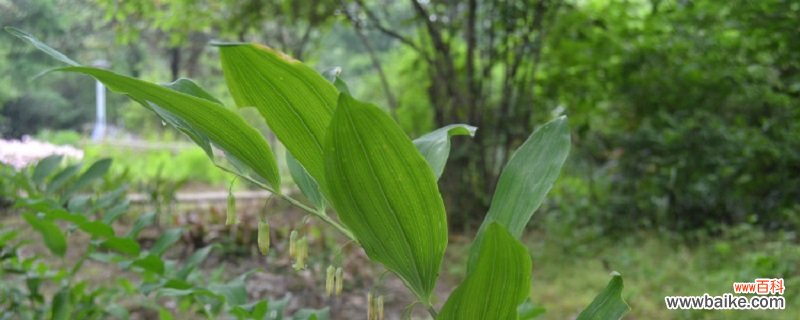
<point>60,137</point>
<point>352,156</point>
<point>63,205</point>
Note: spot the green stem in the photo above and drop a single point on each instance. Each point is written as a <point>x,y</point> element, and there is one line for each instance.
<point>432,311</point>
<point>80,262</point>
<point>318,213</point>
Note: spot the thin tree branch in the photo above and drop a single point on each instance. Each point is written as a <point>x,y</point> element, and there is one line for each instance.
<point>375,61</point>
<point>472,8</point>
<point>376,23</point>
<point>436,37</point>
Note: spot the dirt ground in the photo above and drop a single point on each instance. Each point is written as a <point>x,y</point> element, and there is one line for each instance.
<point>273,277</point>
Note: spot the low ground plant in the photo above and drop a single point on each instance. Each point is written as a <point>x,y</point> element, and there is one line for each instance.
<point>74,211</point>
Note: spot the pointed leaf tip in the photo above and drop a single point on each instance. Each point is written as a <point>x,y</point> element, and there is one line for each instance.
<point>435,145</point>
<point>609,303</point>
<point>499,283</point>
<point>41,45</point>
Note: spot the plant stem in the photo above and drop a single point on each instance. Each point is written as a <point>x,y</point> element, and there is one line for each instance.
<point>432,311</point>
<point>320,214</point>
<point>79,263</point>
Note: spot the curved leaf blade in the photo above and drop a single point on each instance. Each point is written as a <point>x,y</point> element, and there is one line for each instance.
<point>225,128</point>
<point>608,304</point>
<point>95,171</point>
<point>45,167</point>
<point>126,246</point>
<point>41,46</point>
<point>526,179</point>
<point>296,101</point>
<point>385,194</point>
<point>53,238</point>
<point>499,283</point>
<point>529,175</point>
<point>435,145</point>
<point>189,108</point>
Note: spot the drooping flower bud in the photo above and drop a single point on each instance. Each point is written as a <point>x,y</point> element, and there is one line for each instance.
<point>292,243</point>
<point>370,308</point>
<point>301,253</point>
<point>231,214</point>
<point>379,307</point>
<point>329,280</point>
<point>339,281</point>
<point>263,237</point>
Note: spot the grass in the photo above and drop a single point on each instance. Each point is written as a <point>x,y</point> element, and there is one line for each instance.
<point>182,162</point>
<point>655,265</point>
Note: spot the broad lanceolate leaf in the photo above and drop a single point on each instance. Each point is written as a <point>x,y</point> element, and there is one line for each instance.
<point>122,245</point>
<point>526,179</point>
<point>60,178</point>
<point>166,240</point>
<point>499,283</point>
<point>54,239</point>
<point>385,193</point>
<point>191,110</point>
<point>151,263</point>
<point>222,126</point>
<point>435,145</point>
<point>296,101</point>
<point>529,175</point>
<point>608,304</point>
<point>45,167</point>
<point>95,171</point>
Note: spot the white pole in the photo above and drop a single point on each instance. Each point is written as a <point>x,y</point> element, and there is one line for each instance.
<point>99,131</point>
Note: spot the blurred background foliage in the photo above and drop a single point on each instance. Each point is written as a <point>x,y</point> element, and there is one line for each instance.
<point>684,113</point>
<point>684,173</point>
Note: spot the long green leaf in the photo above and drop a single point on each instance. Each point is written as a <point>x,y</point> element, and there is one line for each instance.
<point>526,179</point>
<point>41,46</point>
<point>222,126</point>
<point>435,145</point>
<point>385,193</point>
<point>122,245</point>
<point>529,175</point>
<point>166,241</point>
<point>499,283</point>
<point>61,305</point>
<point>95,171</point>
<point>97,229</point>
<point>192,112</point>
<point>608,304</point>
<point>296,101</point>
<point>61,177</point>
<point>151,262</point>
<point>54,239</point>
<point>45,167</point>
